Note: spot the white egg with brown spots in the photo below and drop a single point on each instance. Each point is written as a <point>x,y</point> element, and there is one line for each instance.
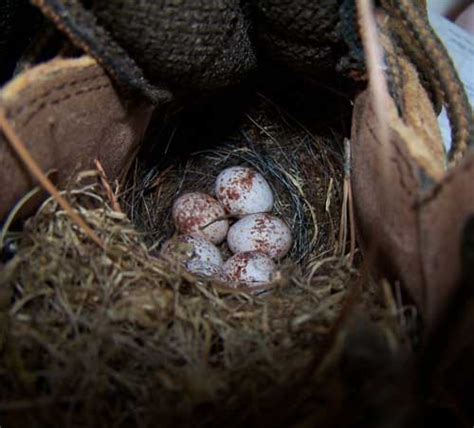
<point>200,214</point>
<point>260,232</point>
<point>194,249</point>
<point>243,191</point>
<point>251,268</point>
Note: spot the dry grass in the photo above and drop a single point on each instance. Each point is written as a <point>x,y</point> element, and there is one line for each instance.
<point>120,337</point>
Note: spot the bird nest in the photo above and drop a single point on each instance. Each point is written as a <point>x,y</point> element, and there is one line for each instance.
<point>122,336</point>
<point>304,172</point>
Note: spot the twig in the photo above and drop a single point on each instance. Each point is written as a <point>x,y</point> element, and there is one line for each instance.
<point>347,221</point>
<point>108,189</point>
<point>350,201</point>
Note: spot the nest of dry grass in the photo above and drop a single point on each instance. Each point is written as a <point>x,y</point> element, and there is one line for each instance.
<point>118,337</point>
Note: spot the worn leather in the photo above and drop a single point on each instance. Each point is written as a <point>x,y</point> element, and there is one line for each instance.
<point>411,212</point>
<point>68,114</point>
<point>444,214</point>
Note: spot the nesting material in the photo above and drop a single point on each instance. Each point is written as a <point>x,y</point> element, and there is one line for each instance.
<point>83,325</point>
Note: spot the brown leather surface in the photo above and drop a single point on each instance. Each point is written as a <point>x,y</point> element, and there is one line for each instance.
<point>385,188</point>
<point>443,216</point>
<point>68,113</point>
<point>410,221</point>
<point>407,240</point>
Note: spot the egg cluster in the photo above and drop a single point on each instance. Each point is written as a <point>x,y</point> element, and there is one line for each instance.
<point>256,239</point>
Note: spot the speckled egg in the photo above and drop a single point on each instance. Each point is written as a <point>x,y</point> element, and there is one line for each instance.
<point>251,268</point>
<point>260,232</point>
<point>243,191</point>
<point>198,213</point>
<point>196,249</point>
